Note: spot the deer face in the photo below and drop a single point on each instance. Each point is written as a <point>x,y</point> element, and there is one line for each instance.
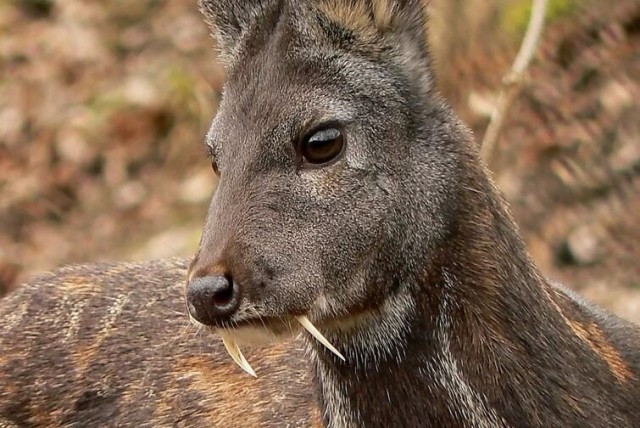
<point>325,183</point>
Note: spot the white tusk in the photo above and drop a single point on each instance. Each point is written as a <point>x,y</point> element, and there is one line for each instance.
<point>313,331</point>
<point>236,354</point>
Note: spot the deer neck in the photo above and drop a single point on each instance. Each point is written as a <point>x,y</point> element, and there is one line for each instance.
<point>429,354</point>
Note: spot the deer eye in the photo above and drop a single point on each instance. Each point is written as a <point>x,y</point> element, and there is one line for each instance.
<point>212,158</point>
<point>322,146</point>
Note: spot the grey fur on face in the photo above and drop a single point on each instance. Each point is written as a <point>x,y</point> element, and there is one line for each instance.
<point>312,240</point>
<point>400,249</point>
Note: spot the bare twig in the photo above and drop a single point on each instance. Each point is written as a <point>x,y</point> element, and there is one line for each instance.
<point>512,82</point>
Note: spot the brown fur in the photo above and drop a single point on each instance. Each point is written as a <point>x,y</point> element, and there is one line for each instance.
<point>359,17</point>
<point>133,359</point>
<point>401,250</point>
<point>593,336</point>
<point>367,19</point>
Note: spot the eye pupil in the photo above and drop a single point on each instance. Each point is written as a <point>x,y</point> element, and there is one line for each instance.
<point>323,146</point>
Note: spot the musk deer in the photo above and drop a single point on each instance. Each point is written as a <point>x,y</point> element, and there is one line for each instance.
<point>352,200</point>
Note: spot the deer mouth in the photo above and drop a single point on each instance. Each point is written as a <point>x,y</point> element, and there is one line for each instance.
<point>260,331</point>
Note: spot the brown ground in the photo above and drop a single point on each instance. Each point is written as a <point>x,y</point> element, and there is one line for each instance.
<point>103,106</point>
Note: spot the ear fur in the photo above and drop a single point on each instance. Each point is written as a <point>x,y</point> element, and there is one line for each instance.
<point>230,20</point>
<point>395,26</point>
<point>370,19</point>
<point>373,26</point>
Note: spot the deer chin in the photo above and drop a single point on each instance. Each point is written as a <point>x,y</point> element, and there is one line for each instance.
<point>260,335</point>
<point>267,333</point>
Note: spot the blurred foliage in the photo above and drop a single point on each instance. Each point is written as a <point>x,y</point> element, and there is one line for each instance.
<point>102,109</point>
<point>514,18</point>
<point>36,8</point>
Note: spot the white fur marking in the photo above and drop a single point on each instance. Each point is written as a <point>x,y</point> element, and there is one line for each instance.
<point>465,403</point>
<point>337,411</point>
<point>74,321</point>
<point>110,319</point>
<point>371,341</point>
<point>13,319</point>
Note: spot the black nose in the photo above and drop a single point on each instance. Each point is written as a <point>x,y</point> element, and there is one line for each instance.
<point>210,298</point>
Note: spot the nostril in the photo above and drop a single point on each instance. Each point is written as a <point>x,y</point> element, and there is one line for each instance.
<point>212,297</point>
<point>224,294</point>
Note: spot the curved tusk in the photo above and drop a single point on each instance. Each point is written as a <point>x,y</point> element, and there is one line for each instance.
<point>304,321</point>
<point>236,354</point>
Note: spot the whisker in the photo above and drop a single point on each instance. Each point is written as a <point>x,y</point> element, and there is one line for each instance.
<point>264,324</point>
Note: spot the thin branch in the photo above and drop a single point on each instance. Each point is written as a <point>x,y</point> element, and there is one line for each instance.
<point>512,82</point>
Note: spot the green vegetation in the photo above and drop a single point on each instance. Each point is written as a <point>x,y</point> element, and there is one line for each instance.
<point>515,15</point>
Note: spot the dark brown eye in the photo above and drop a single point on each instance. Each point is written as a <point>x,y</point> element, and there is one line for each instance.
<point>323,146</point>
<point>212,158</point>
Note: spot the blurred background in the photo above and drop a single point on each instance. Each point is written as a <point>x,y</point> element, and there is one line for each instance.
<point>104,105</point>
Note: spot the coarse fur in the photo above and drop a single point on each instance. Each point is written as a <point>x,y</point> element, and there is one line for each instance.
<point>401,251</point>
<point>110,345</point>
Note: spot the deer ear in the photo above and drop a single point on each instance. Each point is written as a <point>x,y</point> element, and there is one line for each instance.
<point>413,17</point>
<point>231,19</point>
<point>404,22</point>
<point>370,18</point>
